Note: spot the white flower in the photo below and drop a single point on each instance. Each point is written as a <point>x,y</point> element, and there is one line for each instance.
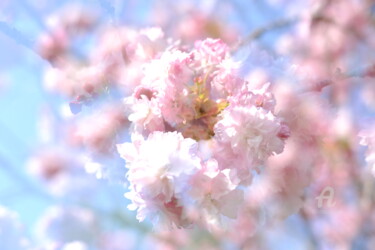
<point>214,194</point>
<point>159,170</point>
<point>250,131</point>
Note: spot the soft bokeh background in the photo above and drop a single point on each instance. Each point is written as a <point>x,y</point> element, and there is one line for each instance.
<point>23,98</point>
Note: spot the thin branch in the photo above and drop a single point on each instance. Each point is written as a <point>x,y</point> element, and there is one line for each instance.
<point>19,178</point>
<point>256,34</point>
<point>19,38</point>
<point>16,35</point>
<point>30,9</point>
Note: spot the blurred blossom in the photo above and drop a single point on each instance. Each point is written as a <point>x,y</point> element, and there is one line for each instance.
<point>118,240</point>
<point>62,225</point>
<point>61,171</point>
<point>368,139</point>
<point>12,235</point>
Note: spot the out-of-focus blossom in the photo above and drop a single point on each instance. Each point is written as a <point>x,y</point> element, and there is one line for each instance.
<point>11,231</point>
<point>63,225</point>
<point>368,139</point>
<point>98,132</point>
<point>75,245</point>
<point>118,240</point>
<point>55,44</point>
<point>158,178</point>
<point>61,171</point>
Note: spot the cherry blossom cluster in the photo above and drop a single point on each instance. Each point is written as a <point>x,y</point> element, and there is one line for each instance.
<point>199,132</point>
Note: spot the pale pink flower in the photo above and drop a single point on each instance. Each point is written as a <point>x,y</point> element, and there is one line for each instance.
<point>182,87</point>
<point>258,96</point>
<point>74,80</point>
<point>210,51</point>
<point>225,81</point>
<point>214,195</point>
<point>130,44</point>
<point>174,99</point>
<point>124,52</point>
<point>170,70</point>
<point>159,177</point>
<point>144,114</point>
<point>171,80</point>
<point>54,45</point>
<point>250,133</point>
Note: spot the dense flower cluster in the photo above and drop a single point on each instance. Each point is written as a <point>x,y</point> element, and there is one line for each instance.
<point>198,132</point>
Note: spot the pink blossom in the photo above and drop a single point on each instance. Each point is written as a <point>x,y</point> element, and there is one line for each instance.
<point>98,131</point>
<point>225,81</point>
<point>73,80</point>
<point>210,52</point>
<point>158,178</point>
<point>214,195</point>
<point>250,133</point>
<point>61,171</point>
<point>145,115</point>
